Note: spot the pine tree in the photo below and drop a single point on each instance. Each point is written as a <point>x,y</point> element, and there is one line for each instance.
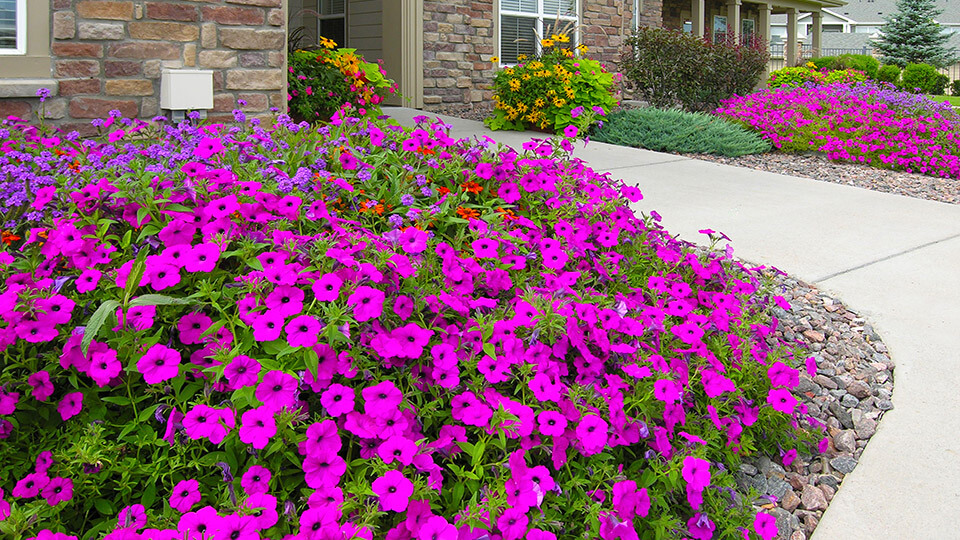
<point>911,35</point>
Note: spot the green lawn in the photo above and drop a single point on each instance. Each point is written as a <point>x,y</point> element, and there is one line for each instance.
<point>953,100</point>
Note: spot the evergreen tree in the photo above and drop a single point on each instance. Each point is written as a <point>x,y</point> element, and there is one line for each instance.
<point>911,35</point>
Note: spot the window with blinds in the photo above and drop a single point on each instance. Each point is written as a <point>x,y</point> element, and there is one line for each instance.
<point>524,22</point>
<point>332,20</point>
<point>13,29</point>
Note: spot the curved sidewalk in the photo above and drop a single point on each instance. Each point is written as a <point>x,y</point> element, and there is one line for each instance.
<point>894,259</point>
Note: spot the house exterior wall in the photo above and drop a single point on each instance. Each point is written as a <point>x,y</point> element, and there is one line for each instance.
<point>365,27</point>
<point>676,12</point>
<point>108,54</point>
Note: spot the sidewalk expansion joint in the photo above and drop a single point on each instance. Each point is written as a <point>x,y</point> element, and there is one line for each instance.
<point>886,258</point>
<point>608,169</point>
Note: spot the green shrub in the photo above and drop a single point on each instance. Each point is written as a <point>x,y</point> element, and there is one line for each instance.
<point>955,88</point>
<point>859,62</point>
<point>679,131</point>
<point>889,73</point>
<point>794,76</point>
<point>845,76</point>
<point>669,68</point>
<point>321,81</point>
<point>924,77</point>
<point>824,62</point>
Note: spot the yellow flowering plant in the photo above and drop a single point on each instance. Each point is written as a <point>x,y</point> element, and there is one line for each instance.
<point>321,81</point>
<point>559,87</point>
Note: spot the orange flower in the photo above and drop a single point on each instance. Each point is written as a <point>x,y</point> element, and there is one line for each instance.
<point>508,215</point>
<point>8,237</point>
<point>443,191</point>
<point>472,187</point>
<point>468,213</point>
<point>426,151</point>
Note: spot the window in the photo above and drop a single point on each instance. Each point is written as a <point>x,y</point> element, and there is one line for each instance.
<point>748,30</point>
<point>719,28</point>
<point>332,20</point>
<point>524,22</point>
<point>13,27</point>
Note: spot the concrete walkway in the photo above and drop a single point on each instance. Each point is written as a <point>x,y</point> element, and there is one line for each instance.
<point>894,259</point>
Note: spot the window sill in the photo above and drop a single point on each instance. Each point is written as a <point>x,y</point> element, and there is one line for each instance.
<point>22,88</point>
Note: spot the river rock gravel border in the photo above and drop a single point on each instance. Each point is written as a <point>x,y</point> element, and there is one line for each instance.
<point>849,394</point>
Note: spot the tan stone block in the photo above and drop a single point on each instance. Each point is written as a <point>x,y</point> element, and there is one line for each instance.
<point>64,25</point>
<point>150,106</point>
<point>218,59</point>
<point>250,39</point>
<point>255,102</point>
<point>90,107</point>
<point>98,30</point>
<point>77,68</point>
<point>223,102</point>
<point>208,36</point>
<point>145,50</point>
<point>254,79</point>
<point>275,17</point>
<point>129,87</point>
<point>54,109</point>
<point>165,31</point>
<point>93,9</point>
<point>190,54</point>
<point>234,15</point>
<point>152,69</point>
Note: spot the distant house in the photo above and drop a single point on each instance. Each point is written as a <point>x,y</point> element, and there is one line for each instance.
<point>94,56</point>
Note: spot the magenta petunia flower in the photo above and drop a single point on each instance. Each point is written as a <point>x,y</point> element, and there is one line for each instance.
<point>58,490</point>
<point>570,131</point>
<point>191,326</point>
<point>413,240</point>
<point>55,309</point>
<point>132,517</point>
<point>338,400</point>
<point>286,300</point>
<point>327,288</point>
<point>403,307</point>
<point>551,423</point>
<point>277,390</point>
<point>782,400</point>
<point>554,258</point>
<point>199,525</point>
<point>39,331</point>
<point>30,485</point>
<point>631,193</point>
<point>208,147</point>
<point>666,390</point>
<point>88,279</point>
<point>410,340</point>
<point>765,526</point>
<point>509,192</point>
<point>162,276</point>
<point>367,303</point>
<point>302,331</point>
<point>8,402</point>
<point>592,433</point>
<point>44,462</point>
<point>348,161</point>
<point>513,523</point>
<point>323,470</point>
<point>242,371</point>
<point>104,366</point>
<point>397,448</point>
<point>781,374</point>
<point>70,405</point>
<point>159,364</point>
<point>204,421</point>
<point>202,258</point>
<point>257,427</point>
<point>485,248</point>
<point>264,508</point>
<point>696,472</point>
<point>394,491</point>
<point>42,387</point>
<point>43,196</point>
<point>268,326</point>
<point>700,527</point>
<point>381,399</point>
<point>256,480</point>
<point>237,527</point>
<point>437,528</point>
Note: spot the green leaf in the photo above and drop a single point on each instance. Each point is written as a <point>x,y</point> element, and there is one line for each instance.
<point>149,495</point>
<point>95,322</point>
<point>105,507</point>
<point>160,300</point>
<point>489,349</point>
<point>133,278</point>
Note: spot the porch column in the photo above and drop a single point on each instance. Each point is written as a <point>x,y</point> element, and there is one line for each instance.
<point>697,10</point>
<point>733,20</point>
<point>817,17</point>
<point>790,47</point>
<point>403,49</point>
<point>764,22</point>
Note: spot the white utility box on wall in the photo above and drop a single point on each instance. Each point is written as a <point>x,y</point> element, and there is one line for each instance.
<point>186,89</point>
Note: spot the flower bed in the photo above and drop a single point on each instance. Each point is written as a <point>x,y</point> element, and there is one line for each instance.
<point>359,331</point>
<point>869,123</point>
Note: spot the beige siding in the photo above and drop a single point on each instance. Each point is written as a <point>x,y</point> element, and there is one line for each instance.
<point>365,28</point>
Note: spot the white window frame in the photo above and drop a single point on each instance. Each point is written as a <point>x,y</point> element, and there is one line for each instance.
<point>21,28</point>
<point>540,17</point>
<point>333,16</point>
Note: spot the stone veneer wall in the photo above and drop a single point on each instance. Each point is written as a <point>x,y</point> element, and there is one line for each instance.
<point>109,54</point>
<point>458,41</point>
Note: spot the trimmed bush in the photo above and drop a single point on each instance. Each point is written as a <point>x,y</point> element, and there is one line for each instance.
<point>795,76</point>
<point>845,76</point>
<point>369,331</point>
<point>924,78</point>
<point>824,62</point>
<point>860,62</point>
<point>320,82</point>
<point>955,88</point>
<point>551,91</point>
<point>679,131</point>
<point>889,73</point>
<point>669,68</point>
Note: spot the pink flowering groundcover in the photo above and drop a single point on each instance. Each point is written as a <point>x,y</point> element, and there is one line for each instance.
<point>360,330</point>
